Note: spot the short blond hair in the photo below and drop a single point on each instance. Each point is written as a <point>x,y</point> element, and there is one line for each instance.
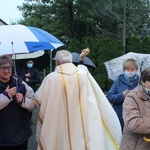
<point>130,62</point>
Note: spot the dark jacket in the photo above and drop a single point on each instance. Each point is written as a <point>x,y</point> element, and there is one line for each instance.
<point>14,120</point>
<point>34,79</point>
<point>115,94</point>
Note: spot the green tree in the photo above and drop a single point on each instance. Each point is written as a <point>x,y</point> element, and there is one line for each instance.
<point>146,45</point>
<point>134,44</point>
<point>96,24</point>
<point>79,18</point>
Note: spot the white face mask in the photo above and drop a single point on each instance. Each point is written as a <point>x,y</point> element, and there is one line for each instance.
<point>147,92</point>
<point>130,74</point>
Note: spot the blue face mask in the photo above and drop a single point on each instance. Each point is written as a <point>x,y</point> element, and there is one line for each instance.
<point>30,65</point>
<point>130,74</point>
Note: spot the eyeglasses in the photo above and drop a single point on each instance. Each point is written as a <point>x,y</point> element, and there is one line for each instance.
<point>5,68</point>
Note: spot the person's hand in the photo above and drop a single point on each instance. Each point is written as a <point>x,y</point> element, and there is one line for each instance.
<point>19,97</point>
<point>11,91</point>
<point>15,75</point>
<point>84,53</point>
<point>27,75</point>
<point>27,80</point>
<point>125,92</point>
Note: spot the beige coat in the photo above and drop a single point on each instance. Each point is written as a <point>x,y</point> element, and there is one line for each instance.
<point>74,113</point>
<point>136,115</point>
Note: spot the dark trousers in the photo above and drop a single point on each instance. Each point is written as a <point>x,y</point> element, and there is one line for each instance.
<point>23,146</point>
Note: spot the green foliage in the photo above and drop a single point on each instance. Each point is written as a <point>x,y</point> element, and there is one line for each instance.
<point>96,24</point>
<point>101,50</point>
<point>108,49</point>
<point>74,46</point>
<point>133,44</point>
<point>146,45</point>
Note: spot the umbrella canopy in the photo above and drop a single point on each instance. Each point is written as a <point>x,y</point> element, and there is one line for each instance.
<point>114,67</point>
<point>29,55</point>
<point>87,62</point>
<point>17,39</point>
<point>26,39</point>
<point>40,58</point>
<point>40,62</point>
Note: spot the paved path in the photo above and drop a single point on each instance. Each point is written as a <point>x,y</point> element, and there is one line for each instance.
<point>32,144</point>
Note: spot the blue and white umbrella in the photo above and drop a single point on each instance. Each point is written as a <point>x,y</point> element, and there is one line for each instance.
<point>15,39</point>
<point>18,39</point>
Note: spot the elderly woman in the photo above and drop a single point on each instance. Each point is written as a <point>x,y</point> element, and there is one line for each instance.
<point>16,101</point>
<point>122,85</point>
<point>136,115</point>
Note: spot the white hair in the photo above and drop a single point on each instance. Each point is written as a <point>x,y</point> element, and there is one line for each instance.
<point>63,56</point>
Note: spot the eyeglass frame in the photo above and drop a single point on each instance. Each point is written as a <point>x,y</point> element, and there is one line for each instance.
<point>5,68</point>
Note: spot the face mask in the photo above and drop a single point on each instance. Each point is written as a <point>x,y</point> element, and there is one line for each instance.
<point>147,92</point>
<point>30,65</point>
<point>130,74</point>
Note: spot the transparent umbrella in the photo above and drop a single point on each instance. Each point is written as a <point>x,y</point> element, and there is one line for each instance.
<point>114,66</point>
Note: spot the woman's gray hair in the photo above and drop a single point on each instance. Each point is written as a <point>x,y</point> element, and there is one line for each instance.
<point>4,59</point>
<point>63,56</point>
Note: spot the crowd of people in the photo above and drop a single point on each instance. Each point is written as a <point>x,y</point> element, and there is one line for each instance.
<point>74,111</point>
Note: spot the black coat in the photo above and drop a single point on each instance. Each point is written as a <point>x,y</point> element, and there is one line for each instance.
<point>14,120</point>
<point>34,78</point>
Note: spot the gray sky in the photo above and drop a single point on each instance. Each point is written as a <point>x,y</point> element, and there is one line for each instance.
<point>8,10</point>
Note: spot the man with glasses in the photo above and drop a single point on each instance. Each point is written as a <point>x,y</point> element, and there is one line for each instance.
<point>16,101</point>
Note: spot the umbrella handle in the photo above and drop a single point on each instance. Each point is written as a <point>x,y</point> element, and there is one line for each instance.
<point>141,66</point>
<point>14,58</point>
<point>17,88</point>
<point>146,138</point>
